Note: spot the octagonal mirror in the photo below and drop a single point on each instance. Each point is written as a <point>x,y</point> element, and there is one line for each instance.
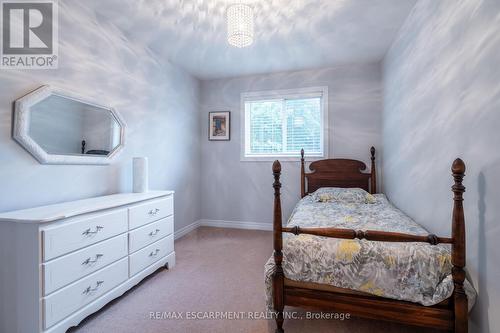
<point>58,127</point>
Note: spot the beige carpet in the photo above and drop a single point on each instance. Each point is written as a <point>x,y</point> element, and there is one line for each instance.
<point>217,270</point>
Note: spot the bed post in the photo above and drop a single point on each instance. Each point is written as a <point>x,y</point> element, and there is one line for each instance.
<point>302,175</point>
<point>373,177</point>
<point>458,249</point>
<point>278,284</point>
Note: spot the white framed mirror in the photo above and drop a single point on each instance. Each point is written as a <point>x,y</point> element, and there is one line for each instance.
<point>58,127</point>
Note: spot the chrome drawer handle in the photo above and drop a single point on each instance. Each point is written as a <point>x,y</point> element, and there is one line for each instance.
<point>89,232</point>
<point>154,253</point>
<point>89,289</point>
<point>90,261</point>
<point>154,212</point>
<point>154,233</point>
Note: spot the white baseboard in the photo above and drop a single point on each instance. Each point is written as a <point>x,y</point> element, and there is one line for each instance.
<point>236,224</point>
<point>187,229</point>
<point>223,224</point>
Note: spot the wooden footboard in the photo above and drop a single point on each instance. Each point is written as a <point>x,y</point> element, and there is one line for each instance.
<point>452,316</point>
<point>371,307</point>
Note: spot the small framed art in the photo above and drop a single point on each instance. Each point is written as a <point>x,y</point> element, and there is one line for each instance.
<point>219,126</point>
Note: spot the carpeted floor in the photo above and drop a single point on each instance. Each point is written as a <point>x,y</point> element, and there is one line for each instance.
<point>217,270</point>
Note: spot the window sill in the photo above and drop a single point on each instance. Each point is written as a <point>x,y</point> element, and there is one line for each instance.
<point>280,158</point>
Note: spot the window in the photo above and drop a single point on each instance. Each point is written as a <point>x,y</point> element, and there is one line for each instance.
<point>281,123</point>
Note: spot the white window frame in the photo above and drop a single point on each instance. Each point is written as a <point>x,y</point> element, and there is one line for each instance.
<point>283,94</point>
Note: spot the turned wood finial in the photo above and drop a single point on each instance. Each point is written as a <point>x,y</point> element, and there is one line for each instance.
<point>277,206</point>
<point>458,226</point>
<point>373,176</point>
<point>458,249</point>
<point>458,167</point>
<point>278,276</point>
<point>276,167</point>
<point>302,175</point>
<point>458,170</point>
<point>277,186</point>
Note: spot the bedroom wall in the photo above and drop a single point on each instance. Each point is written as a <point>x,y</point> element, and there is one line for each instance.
<point>241,191</point>
<point>158,101</point>
<point>442,101</point>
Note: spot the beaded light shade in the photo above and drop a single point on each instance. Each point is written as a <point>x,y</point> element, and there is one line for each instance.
<point>240,25</point>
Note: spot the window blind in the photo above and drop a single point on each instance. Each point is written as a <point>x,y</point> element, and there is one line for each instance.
<point>283,126</point>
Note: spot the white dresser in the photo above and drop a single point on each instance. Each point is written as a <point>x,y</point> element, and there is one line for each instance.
<point>62,262</point>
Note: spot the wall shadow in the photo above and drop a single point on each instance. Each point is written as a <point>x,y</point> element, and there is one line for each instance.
<point>483,299</point>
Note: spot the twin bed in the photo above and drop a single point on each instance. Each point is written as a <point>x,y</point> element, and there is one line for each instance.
<point>348,249</point>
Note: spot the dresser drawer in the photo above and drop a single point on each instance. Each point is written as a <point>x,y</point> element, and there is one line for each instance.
<point>150,233</point>
<point>62,271</point>
<point>149,255</point>
<point>150,211</point>
<point>73,297</point>
<point>81,232</point>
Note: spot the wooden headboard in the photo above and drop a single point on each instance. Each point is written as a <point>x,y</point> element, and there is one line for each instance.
<point>337,172</point>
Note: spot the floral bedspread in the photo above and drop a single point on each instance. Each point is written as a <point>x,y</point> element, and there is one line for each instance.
<point>415,272</point>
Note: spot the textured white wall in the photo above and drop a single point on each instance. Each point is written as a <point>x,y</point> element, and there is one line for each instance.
<point>241,191</point>
<point>442,101</point>
<point>158,101</point>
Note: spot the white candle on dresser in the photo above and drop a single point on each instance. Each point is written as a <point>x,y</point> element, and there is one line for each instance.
<point>140,174</point>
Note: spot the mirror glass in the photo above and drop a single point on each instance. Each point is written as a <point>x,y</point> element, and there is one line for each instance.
<point>65,126</point>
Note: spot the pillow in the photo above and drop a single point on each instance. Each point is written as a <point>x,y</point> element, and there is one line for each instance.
<point>343,195</point>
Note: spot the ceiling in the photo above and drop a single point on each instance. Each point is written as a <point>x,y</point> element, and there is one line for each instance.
<point>289,34</point>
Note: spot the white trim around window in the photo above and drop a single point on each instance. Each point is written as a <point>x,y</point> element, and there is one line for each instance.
<point>298,93</point>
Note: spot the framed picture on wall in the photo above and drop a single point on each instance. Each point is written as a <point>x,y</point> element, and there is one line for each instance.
<point>219,126</point>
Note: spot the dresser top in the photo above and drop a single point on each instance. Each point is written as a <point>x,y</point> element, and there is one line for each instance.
<point>65,210</point>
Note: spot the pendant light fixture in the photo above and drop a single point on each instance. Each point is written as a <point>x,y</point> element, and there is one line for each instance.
<point>240,25</point>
